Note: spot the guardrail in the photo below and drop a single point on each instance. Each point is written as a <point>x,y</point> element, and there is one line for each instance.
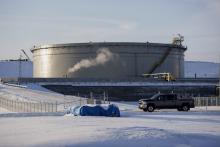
<point>21,106</point>
<point>84,101</point>
<point>207,101</point>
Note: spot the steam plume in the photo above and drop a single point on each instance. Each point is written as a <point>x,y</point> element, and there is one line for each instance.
<point>103,56</point>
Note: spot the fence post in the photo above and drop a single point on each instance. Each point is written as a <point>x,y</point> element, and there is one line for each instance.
<point>30,106</point>
<point>104,96</point>
<point>6,104</point>
<point>56,106</point>
<point>26,107</point>
<point>21,106</point>
<point>206,103</point>
<point>15,105</point>
<point>11,105</point>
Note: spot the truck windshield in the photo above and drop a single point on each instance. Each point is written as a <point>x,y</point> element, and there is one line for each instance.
<point>155,96</point>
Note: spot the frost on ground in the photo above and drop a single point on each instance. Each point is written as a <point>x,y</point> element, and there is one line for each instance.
<point>167,128</point>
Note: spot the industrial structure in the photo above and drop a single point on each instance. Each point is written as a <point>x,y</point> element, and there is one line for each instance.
<point>122,60</point>
<point>22,67</point>
<point>119,70</point>
<point>16,68</point>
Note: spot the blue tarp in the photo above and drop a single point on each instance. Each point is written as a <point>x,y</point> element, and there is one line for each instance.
<point>96,110</point>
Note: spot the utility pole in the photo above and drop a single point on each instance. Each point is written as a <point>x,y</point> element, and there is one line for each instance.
<point>20,62</point>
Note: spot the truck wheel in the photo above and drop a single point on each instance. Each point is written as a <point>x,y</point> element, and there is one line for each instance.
<point>179,109</point>
<point>185,107</point>
<point>145,109</point>
<point>150,108</point>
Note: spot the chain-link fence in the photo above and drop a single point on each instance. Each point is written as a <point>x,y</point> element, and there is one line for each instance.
<point>207,101</point>
<point>21,106</point>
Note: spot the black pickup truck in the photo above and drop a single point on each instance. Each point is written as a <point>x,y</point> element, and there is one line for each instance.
<point>166,101</point>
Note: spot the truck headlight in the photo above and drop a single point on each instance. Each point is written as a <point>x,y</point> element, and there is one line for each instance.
<point>143,102</point>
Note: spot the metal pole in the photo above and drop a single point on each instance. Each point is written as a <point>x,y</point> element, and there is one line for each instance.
<point>219,79</point>
<point>20,66</point>
<point>104,96</point>
<point>91,95</point>
<point>24,106</point>
<point>12,105</point>
<point>206,103</point>
<point>15,105</point>
<point>56,106</point>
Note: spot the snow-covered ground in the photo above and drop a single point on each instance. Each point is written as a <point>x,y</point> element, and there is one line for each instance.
<point>180,129</point>
<point>199,127</point>
<point>36,93</point>
<point>3,110</point>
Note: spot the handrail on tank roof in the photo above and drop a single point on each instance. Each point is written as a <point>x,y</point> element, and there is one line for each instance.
<point>107,43</point>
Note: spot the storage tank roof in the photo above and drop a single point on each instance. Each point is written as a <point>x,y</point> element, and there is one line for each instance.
<point>147,44</point>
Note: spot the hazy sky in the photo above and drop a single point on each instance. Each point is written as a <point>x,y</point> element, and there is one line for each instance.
<point>25,23</point>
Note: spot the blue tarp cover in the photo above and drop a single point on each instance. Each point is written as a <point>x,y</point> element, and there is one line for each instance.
<point>110,110</point>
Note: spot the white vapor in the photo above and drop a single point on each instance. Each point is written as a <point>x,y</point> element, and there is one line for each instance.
<point>103,56</point>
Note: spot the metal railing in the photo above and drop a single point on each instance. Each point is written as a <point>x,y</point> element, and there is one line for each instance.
<point>84,101</point>
<point>21,106</point>
<point>206,101</point>
<point>27,106</point>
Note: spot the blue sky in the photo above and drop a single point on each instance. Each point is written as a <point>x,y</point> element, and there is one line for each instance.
<point>25,23</point>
